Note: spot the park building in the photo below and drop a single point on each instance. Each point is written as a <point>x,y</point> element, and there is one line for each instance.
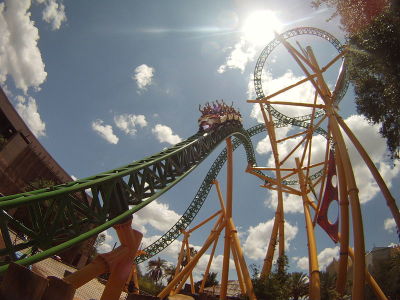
<point>373,259</point>
<point>23,161</point>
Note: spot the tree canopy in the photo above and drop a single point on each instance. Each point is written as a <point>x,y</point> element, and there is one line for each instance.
<point>373,33</point>
<point>156,269</point>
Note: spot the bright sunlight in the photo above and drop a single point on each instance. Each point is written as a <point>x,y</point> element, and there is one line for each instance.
<point>259,27</point>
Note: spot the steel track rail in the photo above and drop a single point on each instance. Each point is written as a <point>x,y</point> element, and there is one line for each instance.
<point>198,200</point>
<point>99,181</point>
<point>59,217</point>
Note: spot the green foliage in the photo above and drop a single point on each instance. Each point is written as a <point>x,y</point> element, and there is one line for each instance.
<point>373,32</point>
<point>374,69</point>
<point>210,281</point>
<point>328,286</point>
<point>298,285</point>
<point>265,287</point>
<point>169,273</point>
<point>280,284</point>
<point>186,259</point>
<point>387,275</point>
<point>354,14</point>
<point>156,269</point>
<point>147,285</point>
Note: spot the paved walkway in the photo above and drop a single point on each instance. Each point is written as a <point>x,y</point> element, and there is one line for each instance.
<point>91,290</point>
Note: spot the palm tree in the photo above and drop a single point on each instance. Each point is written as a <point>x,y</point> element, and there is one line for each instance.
<point>328,286</point>
<point>211,279</point>
<point>156,269</point>
<point>298,285</point>
<point>186,259</point>
<point>169,273</point>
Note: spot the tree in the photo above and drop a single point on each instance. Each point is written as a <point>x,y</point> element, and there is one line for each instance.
<point>264,287</point>
<point>275,286</point>
<point>210,281</point>
<point>355,15</point>
<point>386,272</point>
<point>156,269</point>
<point>374,70</point>
<point>373,33</point>
<point>298,285</point>
<point>328,286</point>
<point>101,238</point>
<point>169,273</point>
<point>186,259</point>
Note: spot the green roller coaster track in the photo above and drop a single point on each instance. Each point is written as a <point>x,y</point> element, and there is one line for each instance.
<point>62,216</point>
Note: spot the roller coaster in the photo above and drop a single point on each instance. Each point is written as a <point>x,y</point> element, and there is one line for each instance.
<point>65,215</point>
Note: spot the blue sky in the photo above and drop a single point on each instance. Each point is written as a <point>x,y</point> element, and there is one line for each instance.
<point>103,83</point>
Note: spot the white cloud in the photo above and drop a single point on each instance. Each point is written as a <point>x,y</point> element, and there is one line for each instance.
<point>156,214</point>
<point>105,131</point>
<point>165,134</point>
<point>291,203</point>
<point>20,56</point>
<point>108,243</point>
<point>28,110</point>
<point>241,55</point>
<point>143,76</point>
<point>375,145</point>
<point>258,238</point>
<point>146,240</point>
<point>264,146</point>
<point>302,262</point>
<point>302,93</point>
<point>54,13</point>
<point>390,225</point>
<point>127,122</point>
<point>216,265</point>
<point>325,257</point>
<point>369,137</point>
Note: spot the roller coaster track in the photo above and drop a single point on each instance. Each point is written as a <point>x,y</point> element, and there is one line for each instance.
<point>175,231</point>
<point>59,217</point>
<point>62,216</point>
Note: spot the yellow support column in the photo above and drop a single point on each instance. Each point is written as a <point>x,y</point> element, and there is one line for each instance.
<point>269,125</point>
<point>118,262</point>
<point>188,268</point>
<point>344,226</point>
<point>269,256</point>
<point>390,201</point>
<point>227,242</point>
<point>243,265</point>
<point>312,247</point>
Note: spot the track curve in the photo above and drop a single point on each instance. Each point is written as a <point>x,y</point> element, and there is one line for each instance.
<point>62,216</point>
<point>198,200</point>
<point>186,154</point>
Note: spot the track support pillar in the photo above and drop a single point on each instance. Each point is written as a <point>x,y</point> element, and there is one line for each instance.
<point>118,262</point>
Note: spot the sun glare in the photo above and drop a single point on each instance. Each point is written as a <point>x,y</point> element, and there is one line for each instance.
<point>259,27</point>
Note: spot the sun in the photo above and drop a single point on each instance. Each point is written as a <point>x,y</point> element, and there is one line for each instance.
<point>259,27</point>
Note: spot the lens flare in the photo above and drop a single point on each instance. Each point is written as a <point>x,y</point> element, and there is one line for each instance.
<point>259,27</point>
